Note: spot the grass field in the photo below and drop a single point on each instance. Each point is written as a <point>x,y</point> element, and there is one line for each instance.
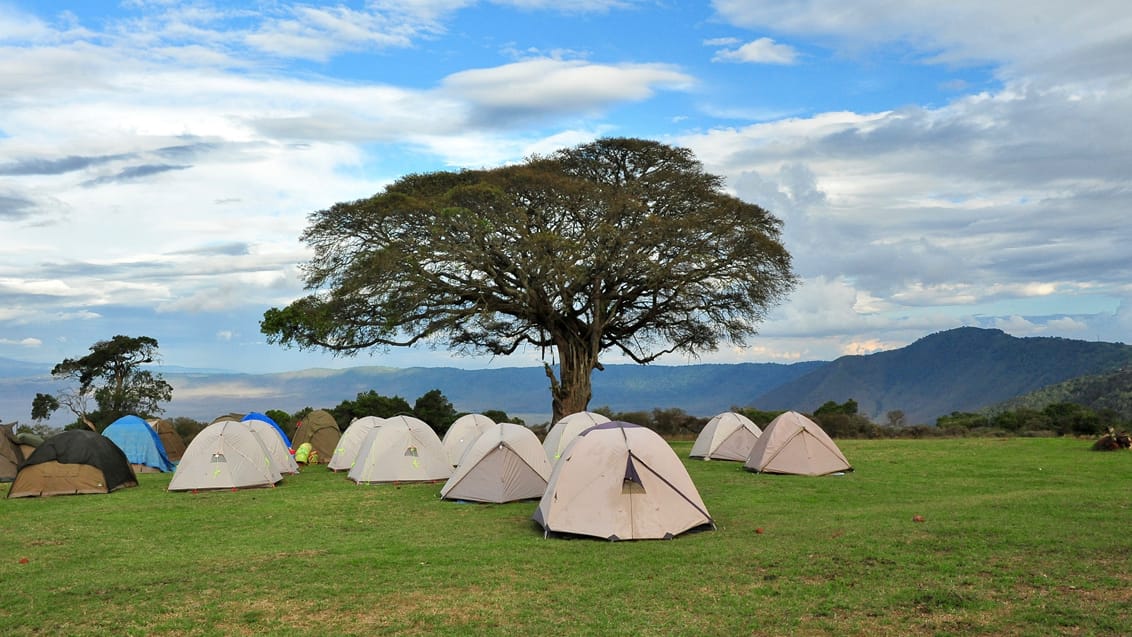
<point>1019,537</point>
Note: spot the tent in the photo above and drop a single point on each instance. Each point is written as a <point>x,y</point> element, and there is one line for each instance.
<point>728,436</point>
<point>173,442</point>
<point>350,443</point>
<point>11,456</point>
<point>140,443</point>
<point>279,452</point>
<point>321,430</point>
<point>620,481</point>
<point>565,429</point>
<point>403,449</point>
<point>463,433</point>
<point>504,464</point>
<point>792,443</point>
<point>73,462</point>
<point>255,415</point>
<point>225,455</point>
<point>28,442</point>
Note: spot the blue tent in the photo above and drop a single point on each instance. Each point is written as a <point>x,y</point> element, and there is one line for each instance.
<point>255,415</point>
<point>139,442</point>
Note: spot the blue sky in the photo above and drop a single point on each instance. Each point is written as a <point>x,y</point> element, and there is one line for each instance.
<point>935,164</point>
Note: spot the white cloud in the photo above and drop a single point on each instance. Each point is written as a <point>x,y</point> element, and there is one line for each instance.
<point>760,51</point>
<point>29,342</point>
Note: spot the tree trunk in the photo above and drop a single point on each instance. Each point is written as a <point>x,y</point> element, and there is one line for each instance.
<point>572,389</point>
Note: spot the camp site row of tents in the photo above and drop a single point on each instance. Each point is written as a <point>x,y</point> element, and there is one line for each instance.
<point>790,444</point>
<point>592,477</point>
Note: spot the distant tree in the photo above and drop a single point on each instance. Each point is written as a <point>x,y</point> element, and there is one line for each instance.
<point>619,245</point>
<point>757,416</point>
<point>896,418</point>
<point>436,410</point>
<point>113,376</point>
<point>848,408</point>
<point>497,415</point>
<point>42,406</point>
<point>369,403</point>
<point>187,428</point>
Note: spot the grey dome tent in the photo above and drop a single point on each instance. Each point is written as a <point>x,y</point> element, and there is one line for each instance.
<point>505,463</point>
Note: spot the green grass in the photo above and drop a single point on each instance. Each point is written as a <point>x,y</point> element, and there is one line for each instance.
<point>1020,537</point>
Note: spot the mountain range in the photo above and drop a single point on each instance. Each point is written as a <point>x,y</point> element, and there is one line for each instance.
<point>963,369</point>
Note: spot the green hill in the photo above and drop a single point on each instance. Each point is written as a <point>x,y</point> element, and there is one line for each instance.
<point>964,369</point>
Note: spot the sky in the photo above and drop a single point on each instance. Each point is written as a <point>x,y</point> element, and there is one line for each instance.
<point>935,165</point>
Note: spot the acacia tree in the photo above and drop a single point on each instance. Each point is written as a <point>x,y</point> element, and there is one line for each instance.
<point>621,245</point>
<point>111,374</point>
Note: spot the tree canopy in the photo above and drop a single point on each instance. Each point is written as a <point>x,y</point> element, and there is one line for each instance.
<point>112,375</point>
<point>621,245</point>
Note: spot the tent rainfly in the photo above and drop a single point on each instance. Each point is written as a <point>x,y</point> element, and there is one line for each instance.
<point>463,432</point>
<point>506,463</point>
<point>350,443</point>
<point>172,441</point>
<point>11,455</point>
<point>321,430</point>
<point>255,415</point>
<point>225,455</point>
<point>794,444</point>
<point>280,454</point>
<point>73,462</point>
<point>140,443</point>
<point>620,481</point>
<point>566,429</point>
<point>727,436</point>
<point>403,449</point>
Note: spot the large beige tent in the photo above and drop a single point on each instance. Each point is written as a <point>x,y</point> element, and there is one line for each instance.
<point>403,449</point>
<point>321,430</point>
<point>727,436</point>
<point>620,481</point>
<point>273,442</point>
<point>463,433</point>
<point>792,443</point>
<point>564,431</point>
<point>225,455</point>
<point>504,464</point>
<point>346,452</point>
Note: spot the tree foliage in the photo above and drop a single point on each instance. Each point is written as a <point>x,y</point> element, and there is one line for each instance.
<point>112,375</point>
<point>621,245</point>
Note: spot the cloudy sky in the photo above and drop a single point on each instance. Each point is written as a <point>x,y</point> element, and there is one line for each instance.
<point>935,164</point>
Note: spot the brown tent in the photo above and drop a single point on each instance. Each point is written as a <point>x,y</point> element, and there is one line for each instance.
<point>173,442</point>
<point>74,462</point>
<point>11,456</point>
<point>321,430</point>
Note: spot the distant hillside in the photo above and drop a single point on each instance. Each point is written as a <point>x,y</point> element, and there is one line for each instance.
<point>1098,392</point>
<point>701,390</point>
<point>964,369</point>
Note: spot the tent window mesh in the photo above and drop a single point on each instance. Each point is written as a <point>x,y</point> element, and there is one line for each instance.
<point>219,457</point>
<point>411,451</point>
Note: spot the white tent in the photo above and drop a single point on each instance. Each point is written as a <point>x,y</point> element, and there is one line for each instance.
<point>280,454</point>
<point>727,436</point>
<point>463,433</point>
<point>504,464</point>
<point>351,442</point>
<point>792,443</point>
<point>225,455</point>
<point>563,431</point>
<point>620,481</point>
<point>403,449</point>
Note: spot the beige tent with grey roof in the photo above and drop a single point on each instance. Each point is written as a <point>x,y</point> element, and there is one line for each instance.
<point>620,481</point>
<point>225,455</point>
<point>504,464</point>
<point>727,436</point>
<point>794,444</point>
